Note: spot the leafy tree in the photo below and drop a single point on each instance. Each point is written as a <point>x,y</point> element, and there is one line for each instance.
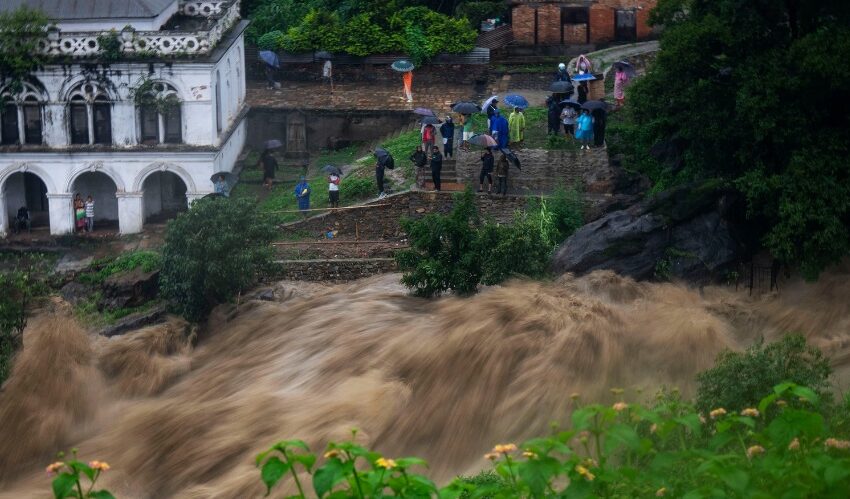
<point>476,12</point>
<point>18,288</point>
<point>755,93</point>
<point>739,379</point>
<point>275,15</point>
<point>319,30</point>
<point>212,252</point>
<point>21,30</point>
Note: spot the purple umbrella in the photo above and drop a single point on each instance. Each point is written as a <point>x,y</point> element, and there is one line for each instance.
<point>421,111</point>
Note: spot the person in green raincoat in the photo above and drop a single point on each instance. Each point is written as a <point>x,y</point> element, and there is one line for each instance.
<point>516,126</point>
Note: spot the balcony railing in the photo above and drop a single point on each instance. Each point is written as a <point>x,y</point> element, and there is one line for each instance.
<point>132,43</point>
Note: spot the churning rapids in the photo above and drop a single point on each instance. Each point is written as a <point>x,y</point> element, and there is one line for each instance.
<point>442,379</point>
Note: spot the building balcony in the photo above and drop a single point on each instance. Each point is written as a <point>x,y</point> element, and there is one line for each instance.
<point>194,30</point>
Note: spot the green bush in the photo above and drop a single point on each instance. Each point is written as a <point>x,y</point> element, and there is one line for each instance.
<point>362,36</point>
<point>319,30</point>
<point>357,188</point>
<point>110,46</point>
<point>125,262</point>
<point>18,288</point>
<point>211,253</point>
<point>567,208</point>
<point>275,16</point>
<point>521,248</point>
<point>271,40</point>
<point>738,380</point>
<point>476,12</point>
<point>21,31</point>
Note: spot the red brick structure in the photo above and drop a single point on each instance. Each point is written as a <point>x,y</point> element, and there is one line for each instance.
<point>580,22</point>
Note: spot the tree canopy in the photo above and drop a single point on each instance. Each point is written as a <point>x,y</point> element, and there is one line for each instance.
<point>754,92</point>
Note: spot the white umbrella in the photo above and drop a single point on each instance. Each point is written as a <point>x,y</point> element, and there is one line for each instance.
<point>487,103</point>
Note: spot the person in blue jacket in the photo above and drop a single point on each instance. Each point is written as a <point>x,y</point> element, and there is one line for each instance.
<point>302,194</point>
<point>499,129</point>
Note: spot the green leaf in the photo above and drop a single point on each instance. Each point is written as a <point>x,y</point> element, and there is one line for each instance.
<point>307,460</point>
<point>690,421</point>
<point>736,479</point>
<point>101,494</point>
<point>621,434</point>
<point>835,473</point>
<point>582,417</point>
<point>63,485</point>
<point>327,476</point>
<point>272,472</point>
<point>407,462</point>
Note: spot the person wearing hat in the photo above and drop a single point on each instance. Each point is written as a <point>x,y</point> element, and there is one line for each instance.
<point>447,131</point>
<point>562,74</point>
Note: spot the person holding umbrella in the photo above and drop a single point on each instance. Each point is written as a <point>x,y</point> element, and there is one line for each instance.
<point>491,107</point>
<point>447,131</point>
<point>583,90</point>
<point>269,165</point>
<point>487,162</point>
<point>436,167</point>
<point>516,126</point>
<point>585,129</point>
<point>333,189</point>
<point>621,79</point>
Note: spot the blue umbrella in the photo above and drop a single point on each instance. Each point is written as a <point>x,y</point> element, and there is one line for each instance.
<point>584,77</point>
<point>402,65</point>
<point>514,100</point>
<point>270,58</point>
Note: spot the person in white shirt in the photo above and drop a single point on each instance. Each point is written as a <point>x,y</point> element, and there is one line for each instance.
<point>333,190</point>
<point>328,73</point>
<point>568,116</point>
<point>89,214</point>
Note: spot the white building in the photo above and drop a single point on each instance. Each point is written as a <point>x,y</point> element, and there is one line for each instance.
<point>141,103</point>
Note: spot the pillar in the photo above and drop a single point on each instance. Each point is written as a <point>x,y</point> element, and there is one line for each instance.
<point>61,207</point>
<point>4,215</point>
<point>131,213</point>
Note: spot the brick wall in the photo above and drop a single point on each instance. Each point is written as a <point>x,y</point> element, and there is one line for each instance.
<point>601,23</point>
<point>549,24</point>
<point>644,30</point>
<point>575,34</point>
<point>522,23</point>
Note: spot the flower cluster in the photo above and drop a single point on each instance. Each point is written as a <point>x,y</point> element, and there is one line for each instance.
<point>620,406</point>
<point>837,444</point>
<point>751,412</point>
<point>387,464</point>
<point>99,465</point>
<point>581,470</point>
<point>755,450</point>
<point>716,413</point>
<point>54,467</point>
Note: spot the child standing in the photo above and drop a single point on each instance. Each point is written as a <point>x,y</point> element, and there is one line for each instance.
<point>333,190</point>
<point>89,214</point>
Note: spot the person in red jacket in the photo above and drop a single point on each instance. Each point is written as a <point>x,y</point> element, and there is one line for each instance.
<point>429,133</point>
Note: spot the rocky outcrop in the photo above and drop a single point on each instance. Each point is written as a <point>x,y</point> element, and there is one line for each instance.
<point>691,232</point>
<point>130,289</point>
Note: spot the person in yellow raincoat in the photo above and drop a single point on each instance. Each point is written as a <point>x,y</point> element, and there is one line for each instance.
<point>516,125</point>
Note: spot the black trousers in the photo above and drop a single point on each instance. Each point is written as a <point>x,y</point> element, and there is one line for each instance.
<point>379,177</point>
<point>435,176</point>
<point>448,147</point>
<point>502,186</point>
<point>485,174</point>
<point>598,135</point>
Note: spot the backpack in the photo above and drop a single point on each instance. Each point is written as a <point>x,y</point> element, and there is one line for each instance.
<point>390,162</point>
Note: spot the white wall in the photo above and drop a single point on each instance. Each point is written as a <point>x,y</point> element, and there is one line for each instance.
<point>152,24</point>
<point>103,191</point>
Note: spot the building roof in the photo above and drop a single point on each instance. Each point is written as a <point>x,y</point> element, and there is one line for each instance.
<point>58,10</point>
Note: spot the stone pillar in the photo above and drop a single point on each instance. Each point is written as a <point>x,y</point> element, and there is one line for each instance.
<point>61,207</point>
<point>4,215</point>
<point>131,212</point>
<point>53,126</point>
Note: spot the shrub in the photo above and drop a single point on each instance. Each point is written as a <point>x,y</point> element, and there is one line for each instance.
<point>739,379</point>
<point>567,208</point>
<point>476,12</point>
<point>319,30</point>
<point>356,188</point>
<point>275,16</point>
<point>21,30</point>
<point>18,288</point>
<point>271,40</point>
<point>211,253</point>
<point>146,260</point>
<point>521,248</point>
<point>362,36</point>
<point>110,46</point>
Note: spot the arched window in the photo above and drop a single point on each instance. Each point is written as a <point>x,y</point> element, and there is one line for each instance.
<point>90,115</point>
<point>217,101</point>
<point>20,116</point>
<point>159,115</point>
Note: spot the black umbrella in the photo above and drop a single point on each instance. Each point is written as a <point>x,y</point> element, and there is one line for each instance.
<point>273,144</point>
<point>511,157</point>
<point>430,120</point>
<point>466,108</point>
<point>323,55</point>
<point>571,103</point>
<point>332,170</point>
<point>626,68</point>
<point>229,177</point>
<point>595,104</point>
<point>561,87</point>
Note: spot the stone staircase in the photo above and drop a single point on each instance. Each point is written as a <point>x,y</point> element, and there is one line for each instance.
<point>449,179</point>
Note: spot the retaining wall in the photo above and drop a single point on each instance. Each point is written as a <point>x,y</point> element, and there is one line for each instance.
<point>334,270</point>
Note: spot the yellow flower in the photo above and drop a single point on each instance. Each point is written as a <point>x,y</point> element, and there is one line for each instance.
<point>331,453</point>
<point>617,391</point>
<point>794,445</point>
<point>581,470</point>
<point>99,465</point>
<point>653,428</point>
<point>702,419</point>
<point>717,413</point>
<point>755,450</point>
<point>504,448</point>
<point>589,462</point>
<point>837,444</point>
<point>529,455</point>
<point>574,395</point>
<point>661,492</point>
<point>753,413</point>
<point>492,456</point>
<point>387,464</point>
<point>53,468</point>
<point>620,406</point>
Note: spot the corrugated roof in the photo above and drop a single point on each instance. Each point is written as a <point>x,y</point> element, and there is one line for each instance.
<point>58,10</point>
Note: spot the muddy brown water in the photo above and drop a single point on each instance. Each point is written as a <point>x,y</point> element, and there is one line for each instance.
<point>443,379</point>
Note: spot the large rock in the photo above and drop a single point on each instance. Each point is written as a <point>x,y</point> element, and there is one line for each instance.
<point>681,233</point>
<point>130,289</point>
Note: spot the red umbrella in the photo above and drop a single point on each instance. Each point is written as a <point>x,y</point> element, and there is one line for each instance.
<point>483,140</point>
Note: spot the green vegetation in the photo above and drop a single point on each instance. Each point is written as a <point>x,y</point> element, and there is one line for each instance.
<point>479,11</point>
<point>20,285</point>
<point>100,270</point>
<point>739,379</point>
<point>360,28</point>
<point>752,93</point>
<point>460,250</point>
<point>20,32</point>
<point>212,252</point>
<point>110,46</point>
<point>93,314</point>
<point>73,475</point>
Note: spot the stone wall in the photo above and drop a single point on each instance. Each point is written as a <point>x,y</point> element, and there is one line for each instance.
<point>334,270</point>
<point>542,170</point>
<point>381,219</point>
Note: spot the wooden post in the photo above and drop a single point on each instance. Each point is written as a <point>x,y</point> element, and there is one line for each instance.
<point>356,230</point>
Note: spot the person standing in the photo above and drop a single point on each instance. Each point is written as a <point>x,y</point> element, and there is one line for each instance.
<point>553,112</point>
<point>428,134</point>
<point>333,190</point>
<point>584,131</point>
<point>436,167</point>
<point>600,119</point>
<point>221,186</point>
<point>270,83</point>
<point>562,74</point>
<point>502,175</point>
<point>467,130</point>
<point>379,175</point>
<point>499,129</point>
<point>621,79</point>
<point>328,73</point>
<point>447,131</point>
<point>568,116</point>
<point>418,157</point>
<point>89,214</point>
<point>516,126</point>
<point>407,77</point>
<point>492,109</point>
<point>23,220</point>
<point>302,195</point>
<point>79,212</point>
<point>582,92</point>
<point>269,165</point>
<point>487,162</point>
